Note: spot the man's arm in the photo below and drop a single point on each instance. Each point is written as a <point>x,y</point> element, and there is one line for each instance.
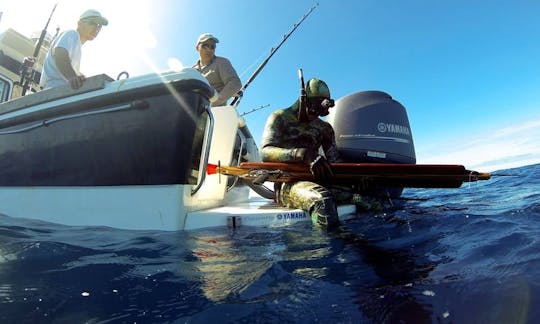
<point>230,79</point>
<point>329,145</point>
<point>63,63</point>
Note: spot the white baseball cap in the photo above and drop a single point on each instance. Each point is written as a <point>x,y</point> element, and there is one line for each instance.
<point>206,36</point>
<point>94,14</point>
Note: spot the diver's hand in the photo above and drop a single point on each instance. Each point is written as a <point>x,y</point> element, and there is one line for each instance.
<point>318,165</point>
<point>321,170</point>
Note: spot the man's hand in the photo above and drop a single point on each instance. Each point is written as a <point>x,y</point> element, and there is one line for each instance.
<point>214,97</point>
<point>63,63</point>
<point>318,165</point>
<point>77,81</point>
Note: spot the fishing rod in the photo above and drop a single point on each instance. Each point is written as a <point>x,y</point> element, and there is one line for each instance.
<point>28,62</point>
<point>240,93</point>
<point>254,110</point>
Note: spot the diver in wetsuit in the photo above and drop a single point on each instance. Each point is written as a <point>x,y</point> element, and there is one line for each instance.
<point>295,134</point>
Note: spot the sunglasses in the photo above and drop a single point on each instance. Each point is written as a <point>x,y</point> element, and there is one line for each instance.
<point>93,23</point>
<point>209,46</point>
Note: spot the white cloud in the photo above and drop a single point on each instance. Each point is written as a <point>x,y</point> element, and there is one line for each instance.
<point>512,146</point>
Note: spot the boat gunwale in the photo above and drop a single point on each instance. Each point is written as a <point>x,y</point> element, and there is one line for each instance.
<point>94,100</point>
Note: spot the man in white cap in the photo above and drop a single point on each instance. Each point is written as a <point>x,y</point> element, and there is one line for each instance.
<point>217,70</point>
<point>62,63</point>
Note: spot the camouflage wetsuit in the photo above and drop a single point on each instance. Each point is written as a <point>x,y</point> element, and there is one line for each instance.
<point>283,135</point>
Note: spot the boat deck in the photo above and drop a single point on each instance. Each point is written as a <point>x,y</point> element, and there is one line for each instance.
<point>255,212</point>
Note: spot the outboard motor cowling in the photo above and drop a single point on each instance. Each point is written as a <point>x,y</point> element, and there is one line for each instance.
<point>372,127</point>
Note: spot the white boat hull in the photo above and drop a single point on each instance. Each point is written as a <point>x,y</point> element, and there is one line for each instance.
<point>159,207</point>
<point>127,207</point>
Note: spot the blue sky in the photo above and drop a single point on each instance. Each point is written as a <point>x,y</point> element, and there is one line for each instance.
<point>468,72</point>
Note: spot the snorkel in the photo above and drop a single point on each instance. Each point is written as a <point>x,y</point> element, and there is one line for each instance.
<point>314,99</point>
<point>302,101</point>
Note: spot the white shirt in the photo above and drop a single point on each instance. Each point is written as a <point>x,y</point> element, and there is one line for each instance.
<point>50,75</point>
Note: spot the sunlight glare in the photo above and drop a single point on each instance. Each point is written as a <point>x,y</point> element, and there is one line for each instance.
<point>175,64</point>
<point>119,46</point>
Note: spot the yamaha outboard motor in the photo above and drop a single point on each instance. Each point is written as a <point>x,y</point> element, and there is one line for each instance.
<point>372,127</point>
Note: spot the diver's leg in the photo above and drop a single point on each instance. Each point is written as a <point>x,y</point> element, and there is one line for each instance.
<point>348,195</point>
<point>313,198</point>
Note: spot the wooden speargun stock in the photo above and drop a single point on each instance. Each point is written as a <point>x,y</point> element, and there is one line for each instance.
<point>378,174</point>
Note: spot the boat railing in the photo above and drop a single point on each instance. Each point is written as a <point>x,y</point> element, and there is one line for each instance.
<point>136,104</point>
<point>93,83</point>
<point>206,149</point>
<point>236,160</point>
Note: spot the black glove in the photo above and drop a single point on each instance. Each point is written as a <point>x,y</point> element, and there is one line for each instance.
<point>319,166</point>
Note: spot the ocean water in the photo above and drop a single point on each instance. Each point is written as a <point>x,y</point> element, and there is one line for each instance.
<point>468,255</point>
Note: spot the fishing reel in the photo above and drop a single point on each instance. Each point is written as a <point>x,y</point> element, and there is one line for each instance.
<point>27,70</point>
